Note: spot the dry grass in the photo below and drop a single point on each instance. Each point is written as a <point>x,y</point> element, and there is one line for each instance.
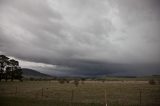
<point>117,92</point>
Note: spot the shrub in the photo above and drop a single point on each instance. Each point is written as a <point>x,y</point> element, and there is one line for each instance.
<point>67,81</point>
<point>76,82</point>
<point>61,81</point>
<point>82,80</point>
<point>152,82</point>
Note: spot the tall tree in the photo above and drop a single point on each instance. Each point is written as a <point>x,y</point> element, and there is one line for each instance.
<point>3,63</point>
<point>14,68</point>
<point>9,69</point>
<point>18,74</point>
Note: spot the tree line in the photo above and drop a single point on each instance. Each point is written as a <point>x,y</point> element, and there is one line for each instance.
<point>9,69</point>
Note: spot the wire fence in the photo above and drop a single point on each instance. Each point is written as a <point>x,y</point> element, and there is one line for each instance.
<point>140,97</point>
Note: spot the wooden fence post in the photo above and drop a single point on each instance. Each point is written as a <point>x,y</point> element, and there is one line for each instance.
<point>140,97</point>
<point>72,95</point>
<point>42,92</point>
<point>105,97</point>
<point>16,91</point>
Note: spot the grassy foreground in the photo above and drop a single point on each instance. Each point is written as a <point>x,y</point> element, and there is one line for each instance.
<point>91,93</point>
<point>17,101</point>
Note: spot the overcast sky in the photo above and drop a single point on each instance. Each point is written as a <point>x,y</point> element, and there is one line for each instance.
<point>82,37</point>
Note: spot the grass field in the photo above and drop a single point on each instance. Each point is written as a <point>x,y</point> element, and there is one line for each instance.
<point>91,93</point>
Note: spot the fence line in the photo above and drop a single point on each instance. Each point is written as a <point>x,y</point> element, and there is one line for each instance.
<point>71,96</point>
<point>140,97</point>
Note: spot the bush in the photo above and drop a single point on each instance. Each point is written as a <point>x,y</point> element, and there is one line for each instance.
<point>82,80</point>
<point>61,81</point>
<point>152,82</point>
<point>76,82</point>
<point>67,81</point>
<point>103,80</point>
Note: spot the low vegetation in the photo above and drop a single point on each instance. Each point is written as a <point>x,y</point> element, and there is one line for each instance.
<point>152,82</point>
<point>9,69</point>
<point>91,93</point>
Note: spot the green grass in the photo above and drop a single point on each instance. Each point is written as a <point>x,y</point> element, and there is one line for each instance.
<point>92,93</point>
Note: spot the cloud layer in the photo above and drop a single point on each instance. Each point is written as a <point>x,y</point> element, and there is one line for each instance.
<point>82,37</point>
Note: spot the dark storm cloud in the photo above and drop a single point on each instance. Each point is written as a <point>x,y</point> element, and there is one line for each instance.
<point>82,37</point>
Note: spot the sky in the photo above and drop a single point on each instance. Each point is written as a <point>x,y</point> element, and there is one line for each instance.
<point>82,37</point>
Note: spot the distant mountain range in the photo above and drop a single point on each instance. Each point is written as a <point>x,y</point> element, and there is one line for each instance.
<point>28,73</point>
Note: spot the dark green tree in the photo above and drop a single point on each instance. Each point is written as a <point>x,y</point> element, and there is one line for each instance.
<point>7,73</point>
<point>14,67</point>
<point>3,63</point>
<point>18,74</point>
<point>9,69</point>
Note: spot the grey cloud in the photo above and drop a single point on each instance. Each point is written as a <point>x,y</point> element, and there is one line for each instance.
<point>83,37</point>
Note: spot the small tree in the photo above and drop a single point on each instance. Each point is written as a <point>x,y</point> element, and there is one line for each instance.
<point>82,80</point>
<point>61,81</point>
<point>103,80</point>
<point>76,82</point>
<point>67,81</point>
<point>152,82</point>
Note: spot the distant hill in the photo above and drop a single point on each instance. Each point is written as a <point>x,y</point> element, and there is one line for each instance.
<point>28,73</point>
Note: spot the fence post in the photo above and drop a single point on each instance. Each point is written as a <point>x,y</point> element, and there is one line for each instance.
<point>16,91</point>
<point>140,97</point>
<point>105,97</point>
<point>72,96</point>
<point>42,92</point>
